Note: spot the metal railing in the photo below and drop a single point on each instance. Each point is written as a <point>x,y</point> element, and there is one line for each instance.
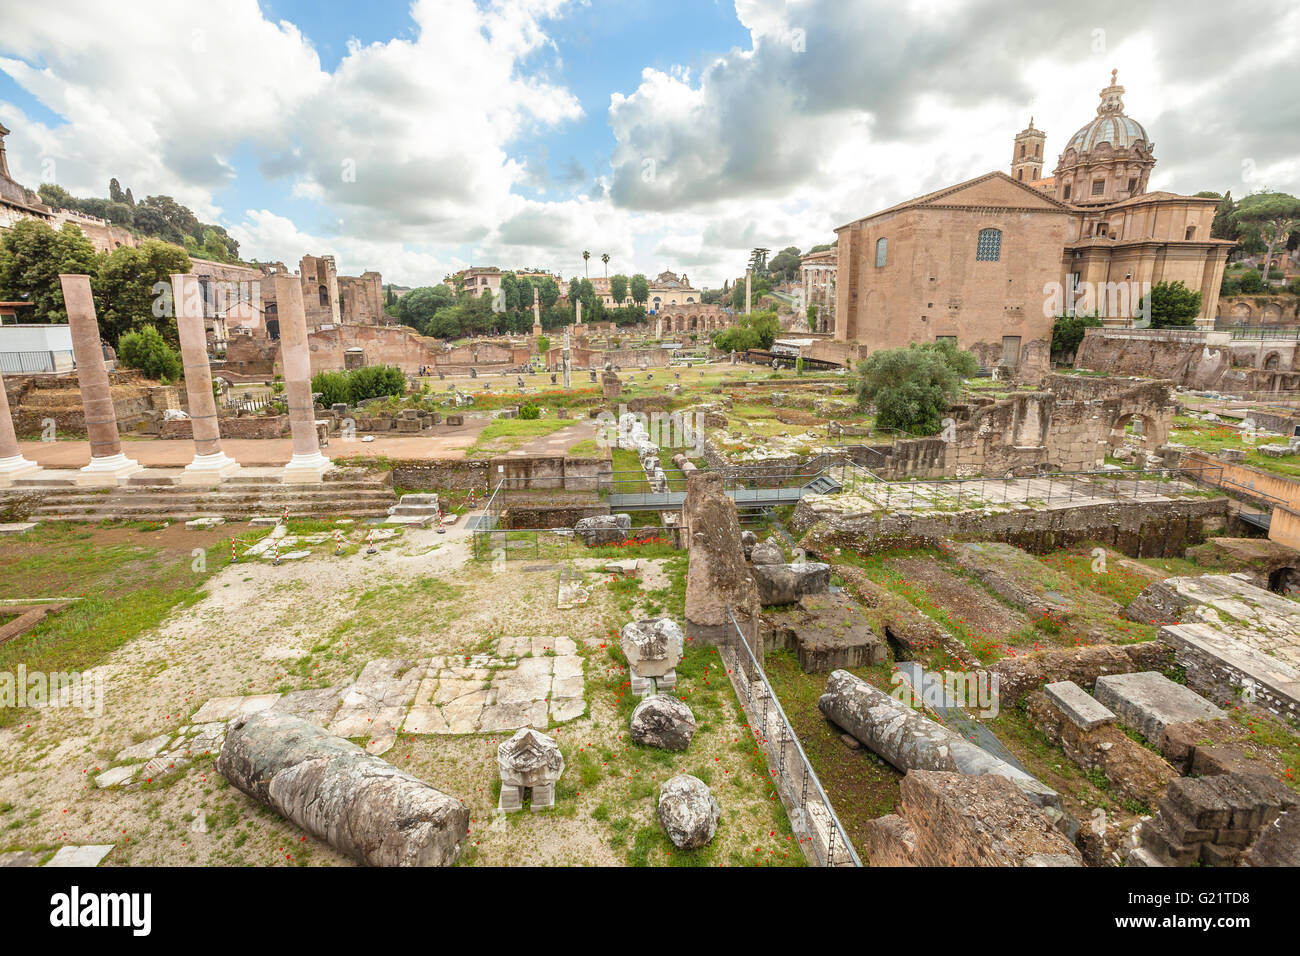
<point>249,403</point>
<point>811,814</point>
<point>1040,490</point>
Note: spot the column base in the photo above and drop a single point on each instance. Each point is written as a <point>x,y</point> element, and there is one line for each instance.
<point>16,467</point>
<point>108,469</point>
<point>306,468</point>
<point>208,469</point>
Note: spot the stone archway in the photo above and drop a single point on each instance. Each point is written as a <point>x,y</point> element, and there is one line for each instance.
<point>1272,361</point>
<point>1136,425</point>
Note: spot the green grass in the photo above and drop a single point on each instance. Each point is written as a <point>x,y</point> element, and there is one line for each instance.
<point>504,434</point>
<point>122,591</point>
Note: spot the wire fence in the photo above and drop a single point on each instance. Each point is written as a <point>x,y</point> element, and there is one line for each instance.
<point>811,815</point>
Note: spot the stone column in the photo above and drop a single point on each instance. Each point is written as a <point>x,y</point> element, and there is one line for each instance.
<point>578,311</point>
<point>12,464</point>
<point>106,458</point>
<point>537,313</point>
<point>307,464</point>
<point>210,463</point>
<point>748,306</point>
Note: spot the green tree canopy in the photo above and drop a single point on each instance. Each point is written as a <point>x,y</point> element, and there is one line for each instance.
<point>144,349</point>
<point>1173,306</point>
<point>639,289</point>
<point>913,387</point>
<point>1067,332</point>
<point>32,255</point>
<point>130,286</point>
<point>618,287</point>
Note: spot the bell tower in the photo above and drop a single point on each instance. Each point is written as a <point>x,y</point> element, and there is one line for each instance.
<point>1027,154</point>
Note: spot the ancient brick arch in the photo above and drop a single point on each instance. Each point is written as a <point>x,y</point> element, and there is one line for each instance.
<point>1273,361</point>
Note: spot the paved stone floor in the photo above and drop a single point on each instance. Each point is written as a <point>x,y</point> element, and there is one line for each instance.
<point>528,682</point>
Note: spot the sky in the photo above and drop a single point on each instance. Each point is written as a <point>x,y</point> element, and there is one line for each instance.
<point>419,138</point>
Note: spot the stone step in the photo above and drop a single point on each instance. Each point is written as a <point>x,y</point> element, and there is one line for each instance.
<point>419,498</point>
<point>414,511</point>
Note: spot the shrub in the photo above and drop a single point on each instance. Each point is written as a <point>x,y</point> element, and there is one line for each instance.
<point>529,411</point>
<point>146,351</point>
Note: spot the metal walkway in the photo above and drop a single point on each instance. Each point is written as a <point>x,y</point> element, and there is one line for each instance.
<point>744,497</point>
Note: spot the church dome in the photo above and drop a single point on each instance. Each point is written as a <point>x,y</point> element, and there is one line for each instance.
<point>1110,125</point>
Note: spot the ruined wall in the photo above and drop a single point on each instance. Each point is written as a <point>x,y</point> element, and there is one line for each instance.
<point>35,400</point>
<point>1034,431</point>
<point>1259,309</point>
<point>395,345</point>
<point>362,300</point>
<point>1136,528</point>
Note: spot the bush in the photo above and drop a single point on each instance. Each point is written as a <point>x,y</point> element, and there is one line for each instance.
<point>913,387</point>
<point>332,387</point>
<point>529,411</point>
<point>352,388</point>
<point>146,351</point>
<point>1067,332</point>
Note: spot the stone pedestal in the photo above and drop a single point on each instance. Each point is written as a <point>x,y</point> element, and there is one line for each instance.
<point>307,464</point>
<point>210,463</point>
<point>106,458</point>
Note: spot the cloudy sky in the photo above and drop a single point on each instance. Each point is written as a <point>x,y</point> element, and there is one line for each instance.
<point>417,138</point>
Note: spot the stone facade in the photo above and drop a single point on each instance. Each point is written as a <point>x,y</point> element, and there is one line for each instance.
<point>968,263</point>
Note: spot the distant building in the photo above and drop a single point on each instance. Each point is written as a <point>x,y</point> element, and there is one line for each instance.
<point>667,289</point>
<point>817,272</point>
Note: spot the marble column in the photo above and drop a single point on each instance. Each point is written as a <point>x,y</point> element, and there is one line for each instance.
<point>307,464</point>
<point>106,458</point>
<point>12,464</point>
<point>210,463</point>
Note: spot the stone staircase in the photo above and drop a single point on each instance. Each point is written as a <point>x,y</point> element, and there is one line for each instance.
<point>417,510</point>
<point>161,498</point>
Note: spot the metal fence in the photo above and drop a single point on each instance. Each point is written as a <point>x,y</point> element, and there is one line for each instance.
<point>250,403</point>
<point>811,814</point>
<point>1039,490</point>
<point>22,363</point>
<point>490,540</point>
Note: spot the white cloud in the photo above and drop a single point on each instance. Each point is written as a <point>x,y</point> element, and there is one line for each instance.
<point>404,152</point>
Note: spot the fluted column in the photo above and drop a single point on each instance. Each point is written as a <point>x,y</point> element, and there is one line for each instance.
<point>106,458</point>
<point>210,463</point>
<point>307,464</point>
<point>12,464</point>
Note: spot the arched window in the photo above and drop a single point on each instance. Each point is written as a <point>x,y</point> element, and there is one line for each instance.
<point>324,297</point>
<point>989,246</point>
<point>882,252</point>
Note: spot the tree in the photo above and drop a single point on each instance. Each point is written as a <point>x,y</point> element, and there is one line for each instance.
<point>913,387</point>
<point>586,256</point>
<point>1172,305</point>
<point>639,287</point>
<point>115,193</point>
<point>543,344</point>
<point>418,307</point>
<point>1222,227</point>
<point>1067,332</point>
<point>146,351</point>
<point>604,257</point>
<point>548,291</point>
<point>618,288</point>
<point>758,330</point>
<point>32,256</point>
<point>1267,221</point>
<point>785,264</point>
<point>125,294</point>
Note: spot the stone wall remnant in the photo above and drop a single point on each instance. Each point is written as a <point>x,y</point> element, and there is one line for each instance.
<point>954,819</point>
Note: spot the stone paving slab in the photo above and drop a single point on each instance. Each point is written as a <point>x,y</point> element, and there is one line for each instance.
<point>1082,710</point>
<point>228,708</point>
<point>85,856</point>
<point>1149,702</point>
<point>316,706</point>
<point>18,527</point>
